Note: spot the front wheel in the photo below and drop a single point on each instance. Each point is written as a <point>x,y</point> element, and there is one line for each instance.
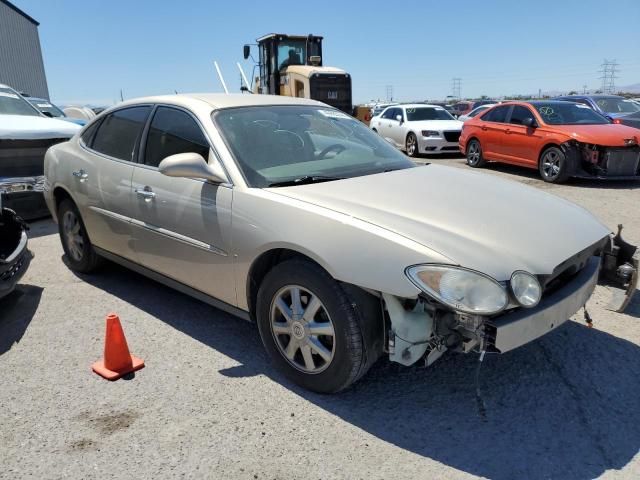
<point>553,165</point>
<point>411,145</point>
<point>310,328</point>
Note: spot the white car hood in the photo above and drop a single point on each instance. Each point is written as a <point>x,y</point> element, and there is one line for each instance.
<point>24,127</point>
<point>478,221</point>
<point>436,125</point>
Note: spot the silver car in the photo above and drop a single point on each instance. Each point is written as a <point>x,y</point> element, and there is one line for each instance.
<point>290,213</point>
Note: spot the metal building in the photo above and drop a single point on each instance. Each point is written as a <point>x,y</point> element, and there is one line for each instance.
<point>21,65</point>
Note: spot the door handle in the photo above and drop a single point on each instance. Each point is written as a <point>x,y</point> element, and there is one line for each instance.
<point>80,174</point>
<point>146,193</point>
<point>484,129</point>
<point>508,132</point>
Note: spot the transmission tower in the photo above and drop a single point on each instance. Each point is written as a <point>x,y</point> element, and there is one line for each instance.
<point>609,70</point>
<point>389,89</point>
<point>456,87</point>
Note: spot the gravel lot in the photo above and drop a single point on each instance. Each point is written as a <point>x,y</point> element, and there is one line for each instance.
<point>208,404</point>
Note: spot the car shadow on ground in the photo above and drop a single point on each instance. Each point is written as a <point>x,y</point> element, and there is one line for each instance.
<point>16,312</point>
<point>563,407</point>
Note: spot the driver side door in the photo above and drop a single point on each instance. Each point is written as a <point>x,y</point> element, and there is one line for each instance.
<point>181,227</point>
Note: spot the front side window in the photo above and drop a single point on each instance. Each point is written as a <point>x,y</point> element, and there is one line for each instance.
<point>568,113</point>
<point>427,113</point>
<point>119,132</point>
<point>388,113</point>
<point>13,104</point>
<point>497,114</point>
<point>291,52</point>
<point>171,132</point>
<point>275,144</point>
<point>519,113</point>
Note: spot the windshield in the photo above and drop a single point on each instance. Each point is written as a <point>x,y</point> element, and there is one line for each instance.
<point>567,113</point>
<point>13,104</point>
<point>45,107</point>
<point>617,105</point>
<point>274,144</point>
<point>427,113</point>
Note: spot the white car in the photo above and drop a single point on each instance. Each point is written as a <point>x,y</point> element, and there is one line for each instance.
<point>418,128</point>
<point>475,111</point>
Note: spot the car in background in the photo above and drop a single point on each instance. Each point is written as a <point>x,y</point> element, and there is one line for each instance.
<point>376,110</point>
<point>561,139</point>
<point>229,198</point>
<point>50,110</point>
<point>25,136</point>
<point>418,128</point>
<point>464,107</point>
<point>611,106</point>
<point>475,111</point>
<point>632,120</point>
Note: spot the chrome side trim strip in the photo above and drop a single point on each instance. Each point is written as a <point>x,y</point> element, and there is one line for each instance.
<point>109,213</point>
<point>179,237</point>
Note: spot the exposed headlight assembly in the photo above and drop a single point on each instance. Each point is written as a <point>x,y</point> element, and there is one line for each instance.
<point>526,289</point>
<point>461,289</point>
<point>430,133</point>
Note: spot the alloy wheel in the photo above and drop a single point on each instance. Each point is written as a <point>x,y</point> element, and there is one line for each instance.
<point>551,164</point>
<point>411,145</point>
<point>473,154</point>
<point>73,235</point>
<point>302,328</point>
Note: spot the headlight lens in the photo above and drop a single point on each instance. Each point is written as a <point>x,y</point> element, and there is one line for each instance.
<point>430,133</point>
<point>463,290</point>
<point>526,289</point>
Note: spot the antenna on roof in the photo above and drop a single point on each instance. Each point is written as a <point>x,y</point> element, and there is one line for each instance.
<point>246,87</point>
<point>224,85</point>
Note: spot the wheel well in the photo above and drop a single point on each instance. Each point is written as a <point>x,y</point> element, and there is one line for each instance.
<point>469,140</point>
<point>60,194</point>
<point>544,148</point>
<point>263,265</point>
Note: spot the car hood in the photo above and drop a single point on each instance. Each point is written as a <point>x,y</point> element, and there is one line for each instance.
<point>436,125</point>
<point>609,135</point>
<point>478,221</point>
<point>24,127</point>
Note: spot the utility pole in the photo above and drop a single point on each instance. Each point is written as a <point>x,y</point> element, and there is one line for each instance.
<point>609,70</point>
<point>584,89</point>
<point>389,89</point>
<point>456,87</point>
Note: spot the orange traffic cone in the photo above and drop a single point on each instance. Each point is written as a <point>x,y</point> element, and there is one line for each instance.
<point>117,360</point>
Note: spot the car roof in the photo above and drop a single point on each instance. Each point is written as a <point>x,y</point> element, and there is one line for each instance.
<point>418,105</point>
<point>223,100</point>
<point>591,96</point>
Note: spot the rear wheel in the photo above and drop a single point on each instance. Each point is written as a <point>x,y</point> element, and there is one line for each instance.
<point>77,247</point>
<point>411,145</point>
<point>553,165</point>
<point>310,328</point>
<point>474,154</point>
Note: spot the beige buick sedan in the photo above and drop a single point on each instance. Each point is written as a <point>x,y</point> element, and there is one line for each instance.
<point>294,215</point>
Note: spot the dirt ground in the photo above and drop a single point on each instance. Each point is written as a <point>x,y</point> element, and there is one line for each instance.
<point>209,405</point>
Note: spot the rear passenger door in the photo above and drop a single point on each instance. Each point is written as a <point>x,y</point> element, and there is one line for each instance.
<point>493,132</point>
<point>181,226</point>
<point>102,177</point>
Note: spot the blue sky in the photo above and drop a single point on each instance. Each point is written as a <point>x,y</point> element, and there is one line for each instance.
<point>92,49</point>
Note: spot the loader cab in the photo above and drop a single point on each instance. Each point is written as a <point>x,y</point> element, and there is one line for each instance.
<point>292,65</point>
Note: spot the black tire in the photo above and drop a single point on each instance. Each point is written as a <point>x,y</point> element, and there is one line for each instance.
<point>349,360</point>
<point>80,254</point>
<point>474,154</point>
<point>411,145</point>
<point>553,165</point>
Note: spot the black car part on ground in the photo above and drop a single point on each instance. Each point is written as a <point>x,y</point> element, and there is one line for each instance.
<point>595,161</point>
<point>22,175</point>
<point>620,271</point>
<point>14,255</point>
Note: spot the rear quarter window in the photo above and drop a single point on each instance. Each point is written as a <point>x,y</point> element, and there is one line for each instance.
<point>119,132</point>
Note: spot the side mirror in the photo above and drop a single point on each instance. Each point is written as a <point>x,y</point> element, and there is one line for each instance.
<point>246,51</point>
<point>191,165</point>
<point>399,118</point>
<point>48,114</point>
<point>529,122</point>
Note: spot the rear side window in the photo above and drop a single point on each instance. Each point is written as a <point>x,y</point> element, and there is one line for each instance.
<point>87,135</point>
<point>119,132</point>
<point>519,114</point>
<point>498,114</point>
<point>173,131</point>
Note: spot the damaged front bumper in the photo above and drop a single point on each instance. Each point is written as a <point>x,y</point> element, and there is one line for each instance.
<point>601,162</point>
<point>14,255</point>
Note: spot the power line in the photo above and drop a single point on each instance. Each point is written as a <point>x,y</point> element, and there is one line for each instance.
<point>389,89</point>
<point>609,70</point>
<point>456,87</point>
